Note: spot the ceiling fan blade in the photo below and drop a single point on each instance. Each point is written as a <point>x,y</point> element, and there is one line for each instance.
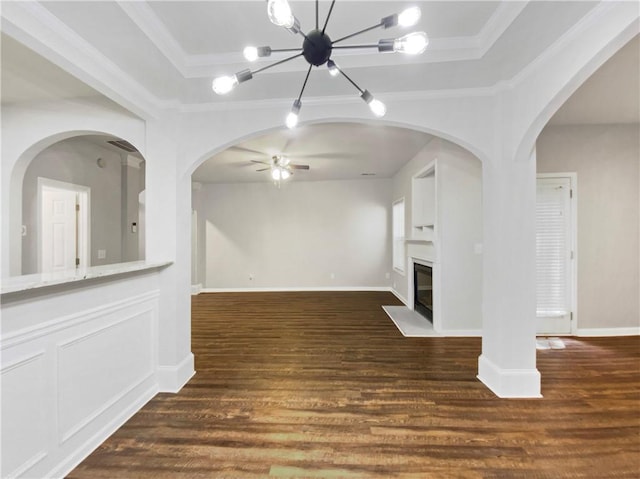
<point>299,167</point>
<point>242,149</point>
<point>263,169</point>
<point>261,162</point>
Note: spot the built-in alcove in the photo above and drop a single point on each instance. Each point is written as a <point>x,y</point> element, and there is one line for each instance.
<point>424,199</point>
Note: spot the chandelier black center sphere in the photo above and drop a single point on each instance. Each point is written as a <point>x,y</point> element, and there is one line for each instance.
<point>317,48</point>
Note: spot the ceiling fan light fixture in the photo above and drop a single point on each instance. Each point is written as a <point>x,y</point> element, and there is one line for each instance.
<point>280,14</point>
<point>284,173</point>
<point>376,106</point>
<point>275,173</point>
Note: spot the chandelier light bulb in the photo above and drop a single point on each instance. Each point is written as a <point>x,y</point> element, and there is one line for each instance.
<point>250,54</point>
<point>411,44</point>
<point>409,17</point>
<point>292,120</point>
<point>333,68</point>
<point>224,84</point>
<point>378,108</point>
<point>280,13</point>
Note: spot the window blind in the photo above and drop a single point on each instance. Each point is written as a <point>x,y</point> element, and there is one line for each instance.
<point>398,235</point>
<point>553,246</point>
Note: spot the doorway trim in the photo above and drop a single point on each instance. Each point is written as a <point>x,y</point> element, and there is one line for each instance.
<point>573,266</point>
<point>84,218</point>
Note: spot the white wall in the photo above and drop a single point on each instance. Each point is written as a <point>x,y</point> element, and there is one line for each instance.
<point>458,232</point>
<point>296,236</point>
<point>606,159</point>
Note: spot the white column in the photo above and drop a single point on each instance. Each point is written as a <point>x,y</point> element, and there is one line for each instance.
<point>507,364</point>
<point>168,215</point>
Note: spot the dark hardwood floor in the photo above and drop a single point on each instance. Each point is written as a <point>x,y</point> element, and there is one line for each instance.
<point>322,385</point>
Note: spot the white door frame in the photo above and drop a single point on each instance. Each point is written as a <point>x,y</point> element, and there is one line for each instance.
<point>573,267</point>
<point>84,219</point>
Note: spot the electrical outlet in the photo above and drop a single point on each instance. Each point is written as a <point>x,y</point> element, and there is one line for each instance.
<point>102,253</point>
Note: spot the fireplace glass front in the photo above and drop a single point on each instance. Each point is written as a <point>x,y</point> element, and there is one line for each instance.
<point>423,290</point>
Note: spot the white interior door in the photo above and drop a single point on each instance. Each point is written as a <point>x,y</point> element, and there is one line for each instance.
<point>63,226</point>
<point>58,238</point>
<point>554,255</point>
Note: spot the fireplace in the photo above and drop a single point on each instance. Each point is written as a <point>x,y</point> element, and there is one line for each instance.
<point>423,290</point>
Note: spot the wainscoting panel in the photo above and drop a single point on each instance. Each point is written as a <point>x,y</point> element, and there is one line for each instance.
<point>100,367</point>
<point>23,414</point>
<point>69,382</point>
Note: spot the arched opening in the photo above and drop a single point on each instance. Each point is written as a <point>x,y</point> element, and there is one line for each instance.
<point>80,204</point>
<point>587,167</point>
<point>328,226</point>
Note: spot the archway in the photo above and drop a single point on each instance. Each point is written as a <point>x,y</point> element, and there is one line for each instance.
<point>109,170</point>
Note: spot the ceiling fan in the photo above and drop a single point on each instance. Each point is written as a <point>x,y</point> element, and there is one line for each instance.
<point>281,167</point>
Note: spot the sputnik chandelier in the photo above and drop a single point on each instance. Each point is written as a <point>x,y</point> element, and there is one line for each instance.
<point>317,48</point>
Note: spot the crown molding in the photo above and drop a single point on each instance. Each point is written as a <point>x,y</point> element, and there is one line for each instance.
<point>205,65</point>
<point>405,96</point>
<point>37,28</point>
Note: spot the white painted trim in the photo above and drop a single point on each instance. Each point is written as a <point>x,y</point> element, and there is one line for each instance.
<point>596,332</point>
<point>55,325</point>
<point>80,454</point>
<point>190,66</point>
<point>509,383</point>
<point>399,296</point>
<point>293,289</point>
<point>171,379</point>
<point>196,289</point>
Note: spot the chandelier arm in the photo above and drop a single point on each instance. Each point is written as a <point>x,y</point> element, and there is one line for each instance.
<point>317,1</point>
<point>351,81</point>
<point>305,82</point>
<point>276,63</point>
<point>344,47</point>
<point>368,29</point>
<point>328,15</point>
<point>281,50</point>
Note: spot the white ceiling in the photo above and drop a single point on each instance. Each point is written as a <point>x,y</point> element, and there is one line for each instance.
<point>172,50</point>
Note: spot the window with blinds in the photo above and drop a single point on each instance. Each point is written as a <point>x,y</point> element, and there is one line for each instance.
<point>398,235</point>
<point>553,247</point>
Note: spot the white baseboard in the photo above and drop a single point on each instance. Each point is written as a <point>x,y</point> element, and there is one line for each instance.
<point>462,333</point>
<point>594,332</point>
<point>172,379</point>
<point>295,289</point>
<point>400,297</point>
<point>195,289</point>
<point>509,383</point>
<point>64,468</point>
